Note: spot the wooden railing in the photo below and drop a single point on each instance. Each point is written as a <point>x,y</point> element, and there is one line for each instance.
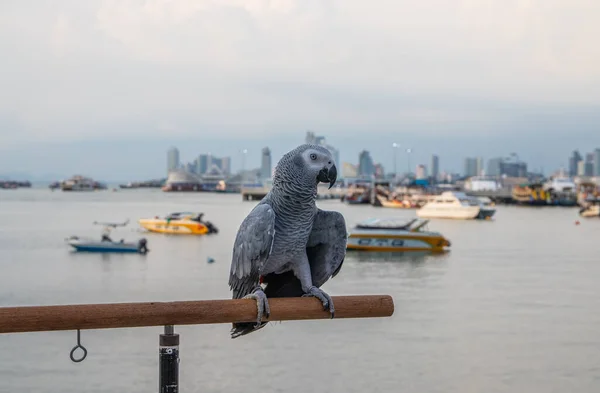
<point>167,314</point>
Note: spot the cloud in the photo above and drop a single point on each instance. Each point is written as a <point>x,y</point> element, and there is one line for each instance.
<point>78,70</point>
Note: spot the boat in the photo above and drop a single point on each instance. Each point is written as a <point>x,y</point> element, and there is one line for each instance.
<point>590,210</point>
<point>532,194</point>
<point>81,183</point>
<point>106,244</point>
<point>181,223</point>
<point>456,205</point>
<point>393,203</point>
<point>390,234</point>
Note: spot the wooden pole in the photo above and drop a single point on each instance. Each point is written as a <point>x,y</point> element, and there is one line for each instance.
<point>126,315</point>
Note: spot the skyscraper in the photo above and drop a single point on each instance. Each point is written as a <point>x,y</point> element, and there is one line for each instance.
<point>470,167</point>
<point>172,159</point>
<point>574,162</point>
<point>421,172</point>
<point>479,166</point>
<point>597,162</point>
<point>204,162</point>
<point>265,166</point>
<point>365,164</point>
<point>589,164</point>
<point>435,167</point>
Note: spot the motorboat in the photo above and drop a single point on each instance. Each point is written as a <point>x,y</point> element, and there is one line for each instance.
<point>393,203</point>
<point>590,210</point>
<point>456,205</point>
<point>180,223</point>
<point>81,183</point>
<point>106,244</point>
<point>390,234</point>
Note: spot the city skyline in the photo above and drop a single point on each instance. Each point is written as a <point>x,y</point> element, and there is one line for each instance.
<point>104,88</point>
<point>149,166</point>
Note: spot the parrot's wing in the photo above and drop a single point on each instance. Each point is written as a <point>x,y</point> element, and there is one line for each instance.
<point>326,246</point>
<point>251,249</point>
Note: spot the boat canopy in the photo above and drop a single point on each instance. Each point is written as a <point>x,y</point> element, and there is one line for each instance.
<point>386,223</point>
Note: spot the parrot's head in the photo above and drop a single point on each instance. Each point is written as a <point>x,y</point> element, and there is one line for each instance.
<point>314,164</point>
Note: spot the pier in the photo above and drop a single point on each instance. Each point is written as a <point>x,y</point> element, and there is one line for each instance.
<point>168,314</point>
<point>503,195</point>
<point>258,193</point>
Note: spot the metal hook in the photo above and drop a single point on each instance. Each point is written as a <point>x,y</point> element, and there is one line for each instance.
<point>78,346</point>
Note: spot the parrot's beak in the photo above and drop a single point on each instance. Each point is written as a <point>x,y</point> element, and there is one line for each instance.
<point>328,175</point>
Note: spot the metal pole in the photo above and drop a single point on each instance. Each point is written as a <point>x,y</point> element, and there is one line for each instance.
<point>168,358</point>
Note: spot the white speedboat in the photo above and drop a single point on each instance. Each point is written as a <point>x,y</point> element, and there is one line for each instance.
<point>456,205</point>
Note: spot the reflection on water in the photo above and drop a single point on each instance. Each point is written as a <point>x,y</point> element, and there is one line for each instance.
<point>416,257</point>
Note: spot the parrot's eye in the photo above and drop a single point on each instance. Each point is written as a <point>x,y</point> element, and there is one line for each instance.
<point>313,156</point>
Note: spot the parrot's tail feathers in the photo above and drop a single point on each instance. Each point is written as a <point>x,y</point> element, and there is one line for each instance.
<point>241,329</point>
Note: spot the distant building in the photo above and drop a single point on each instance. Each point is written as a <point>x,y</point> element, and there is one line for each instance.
<point>581,168</point>
<point>473,166</point>
<point>172,159</point>
<point>265,166</point>
<point>589,164</point>
<point>203,162</point>
<point>470,167</point>
<point>349,170</point>
<point>435,167</point>
<point>365,164</point>
<point>500,166</point>
<point>574,161</point>
<point>190,167</point>
<point>320,140</point>
<point>421,172</point>
<point>224,164</point>
<point>494,167</point>
<point>514,169</point>
<point>480,167</point>
<point>597,162</point>
<point>379,171</point>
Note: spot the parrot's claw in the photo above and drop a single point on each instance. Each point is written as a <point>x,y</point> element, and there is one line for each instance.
<point>262,304</point>
<point>323,297</point>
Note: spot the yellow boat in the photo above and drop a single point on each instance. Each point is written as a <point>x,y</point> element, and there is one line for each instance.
<point>181,223</point>
<point>391,235</point>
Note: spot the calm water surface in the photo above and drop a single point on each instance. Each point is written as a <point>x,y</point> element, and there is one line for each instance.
<point>514,307</point>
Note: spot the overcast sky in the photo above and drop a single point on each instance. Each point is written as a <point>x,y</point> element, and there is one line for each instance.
<point>106,87</point>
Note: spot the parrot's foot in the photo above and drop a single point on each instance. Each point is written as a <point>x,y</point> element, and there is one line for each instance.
<point>262,304</point>
<point>323,297</point>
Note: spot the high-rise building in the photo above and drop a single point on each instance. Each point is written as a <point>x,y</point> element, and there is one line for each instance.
<point>421,172</point>
<point>581,168</point>
<point>204,163</point>
<point>265,166</point>
<point>470,167</point>
<point>473,166</point>
<point>574,162</point>
<point>172,159</point>
<point>224,164</point>
<point>494,166</point>
<point>365,164</point>
<point>435,167</point>
<point>479,166</point>
<point>597,162</point>
<point>589,164</point>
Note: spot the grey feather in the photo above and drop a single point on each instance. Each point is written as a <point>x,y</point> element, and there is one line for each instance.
<point>252,247</point>
<point>326,246</point>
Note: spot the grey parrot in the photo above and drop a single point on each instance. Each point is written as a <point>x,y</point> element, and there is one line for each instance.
<point>286,242</point>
